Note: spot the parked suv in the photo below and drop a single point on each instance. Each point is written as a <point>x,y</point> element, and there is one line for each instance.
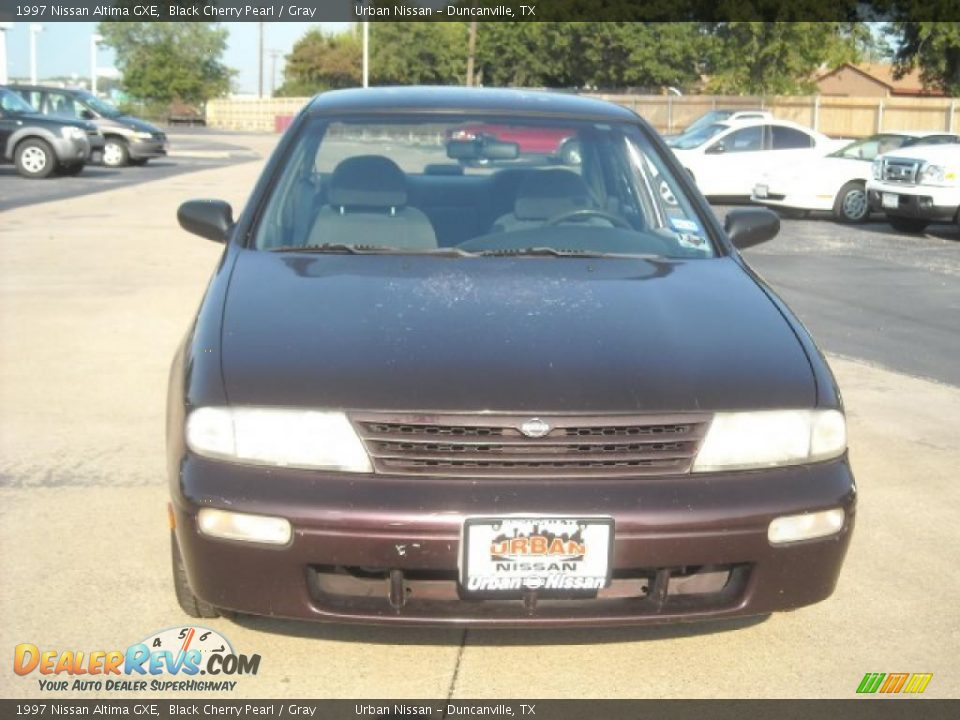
<point>128,140</point>
<point>917,186</point>
<point>40,145</point>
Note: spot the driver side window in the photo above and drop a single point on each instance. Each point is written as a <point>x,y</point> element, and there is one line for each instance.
<point>746,140</point>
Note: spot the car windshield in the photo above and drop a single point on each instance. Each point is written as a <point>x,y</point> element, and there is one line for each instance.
<point>101,107</point>
<point>11,102</point>
<point>709,118</point>
<point>690,140</point>
<point>869,148</point>
<point>464,186</point>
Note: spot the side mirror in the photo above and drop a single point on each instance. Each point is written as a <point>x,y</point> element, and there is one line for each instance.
<point>751,226</point>
<point>717,148</point>
<point>87,115</point>
<point>210,219</point>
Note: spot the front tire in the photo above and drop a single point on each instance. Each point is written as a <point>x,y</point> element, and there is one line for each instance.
<point>906,224</point>
<point>34,159</point>
<point>189,603</point>
<point>115,153</point>
<point>851,204</point>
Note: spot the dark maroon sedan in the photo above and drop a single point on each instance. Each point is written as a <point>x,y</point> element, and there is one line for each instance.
<point>424,391</point>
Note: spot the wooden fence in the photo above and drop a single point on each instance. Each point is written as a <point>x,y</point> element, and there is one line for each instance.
<point>837,116</point>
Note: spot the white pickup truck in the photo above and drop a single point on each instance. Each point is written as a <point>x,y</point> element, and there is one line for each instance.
<point>917,186</point>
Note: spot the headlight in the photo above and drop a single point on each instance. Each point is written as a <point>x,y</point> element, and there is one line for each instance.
<point>273,436</point>
<point>72,133</point>
<point>937,175</point>
<point>143,135</point>
<point>876,169</point>
<point>742,440</point>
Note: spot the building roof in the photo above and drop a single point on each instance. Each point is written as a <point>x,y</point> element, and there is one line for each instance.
<point>883,73</point>
<point>474,100</point>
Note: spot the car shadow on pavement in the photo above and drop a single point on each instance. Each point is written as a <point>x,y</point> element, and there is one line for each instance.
<point>385,635</point>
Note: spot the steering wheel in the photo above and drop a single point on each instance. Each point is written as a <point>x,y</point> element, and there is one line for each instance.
<point>586,213</point>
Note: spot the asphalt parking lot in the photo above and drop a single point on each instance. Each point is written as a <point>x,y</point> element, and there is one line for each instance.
<point>190,150</point>
<point>96,291</point>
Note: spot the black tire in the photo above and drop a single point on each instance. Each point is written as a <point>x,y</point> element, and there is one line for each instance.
<point>115,152</point>
<point>72,170</point>
<point>850,205</point>
<point>35,159</point>
<point>189,603</point>
<point>907,224</point>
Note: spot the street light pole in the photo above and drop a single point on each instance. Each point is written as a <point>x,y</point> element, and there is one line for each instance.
<point>260,60</point>
<point>95,40</point>
<point>35,30</point>
<point>274,54</point>
<point>4,26</point>
<point>366,54</point>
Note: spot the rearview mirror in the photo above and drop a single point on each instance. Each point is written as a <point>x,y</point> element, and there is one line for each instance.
<point>716,148</point>
<point>751,226</point>
<point>210,219</point>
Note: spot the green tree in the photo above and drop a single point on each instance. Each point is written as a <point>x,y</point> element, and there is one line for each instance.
<point>163,62</point>
<point>778,58</point>
<point>934,47</point>
<point>418,53</point>
<point>322,61</point>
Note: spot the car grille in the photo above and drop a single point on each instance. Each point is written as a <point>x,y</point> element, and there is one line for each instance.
<point>900,171</point>
<point>495,446</point>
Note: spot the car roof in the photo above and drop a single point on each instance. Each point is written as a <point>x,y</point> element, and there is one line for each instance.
<point>486,101</point>
<point>29,86</point>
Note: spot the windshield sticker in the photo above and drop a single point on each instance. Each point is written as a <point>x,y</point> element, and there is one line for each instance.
<point>684,224</point>
<point>697,242</point>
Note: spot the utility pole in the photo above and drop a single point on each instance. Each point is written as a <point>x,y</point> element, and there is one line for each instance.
<point>260,59</point>
<point>274,54</point>
<point>4,26</point>
<point>471,51</point>
<point>35,30</point>
<point>95,40</point>
<point>366,54</point>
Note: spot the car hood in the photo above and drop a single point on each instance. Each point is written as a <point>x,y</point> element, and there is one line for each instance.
<point>506,334</point>
<point>136,124</point>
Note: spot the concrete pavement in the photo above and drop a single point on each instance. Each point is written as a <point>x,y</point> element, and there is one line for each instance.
<point>95,292</point>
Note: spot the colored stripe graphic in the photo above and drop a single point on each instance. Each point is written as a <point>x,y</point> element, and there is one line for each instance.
<point>918,683</point>
<point>894,682</point>
<point>870,682</point>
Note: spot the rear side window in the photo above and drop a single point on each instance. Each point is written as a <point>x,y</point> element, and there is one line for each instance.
<point>785,138</point>
<point>62,105</point>
<point>745,140</point>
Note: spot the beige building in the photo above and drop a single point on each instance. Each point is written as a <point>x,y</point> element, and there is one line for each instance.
<point>872,80</point>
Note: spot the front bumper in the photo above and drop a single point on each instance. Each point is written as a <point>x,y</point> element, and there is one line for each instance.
<point>145,149</point>
<point>781,197</point>
<point>935,204</point>
<point>70,151</point>
<point>376,549</point>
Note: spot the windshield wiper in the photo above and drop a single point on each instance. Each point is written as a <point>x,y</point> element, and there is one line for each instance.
<point>370,250</point>
<point>543,252</point>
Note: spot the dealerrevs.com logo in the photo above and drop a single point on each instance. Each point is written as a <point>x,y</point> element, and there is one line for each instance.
<point>169,660</point>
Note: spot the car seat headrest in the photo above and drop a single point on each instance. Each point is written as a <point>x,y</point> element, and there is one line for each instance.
<point>546,194</point>
<point>368,181</point>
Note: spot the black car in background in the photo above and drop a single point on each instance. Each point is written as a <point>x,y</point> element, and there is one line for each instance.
<point>39,145</point>
<point>128,140</point>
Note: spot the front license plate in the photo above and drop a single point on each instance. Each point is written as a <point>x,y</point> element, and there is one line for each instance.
<point>558,555</point>
<point>890,200</point>
<point>761,191</point>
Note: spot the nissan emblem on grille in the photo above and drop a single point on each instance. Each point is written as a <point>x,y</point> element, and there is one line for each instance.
<point>535,428</point>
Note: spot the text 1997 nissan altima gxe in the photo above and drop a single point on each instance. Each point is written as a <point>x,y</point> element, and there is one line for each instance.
<point>434,382</point>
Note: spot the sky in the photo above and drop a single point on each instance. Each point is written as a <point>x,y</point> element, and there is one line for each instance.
<point>63,49</point>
